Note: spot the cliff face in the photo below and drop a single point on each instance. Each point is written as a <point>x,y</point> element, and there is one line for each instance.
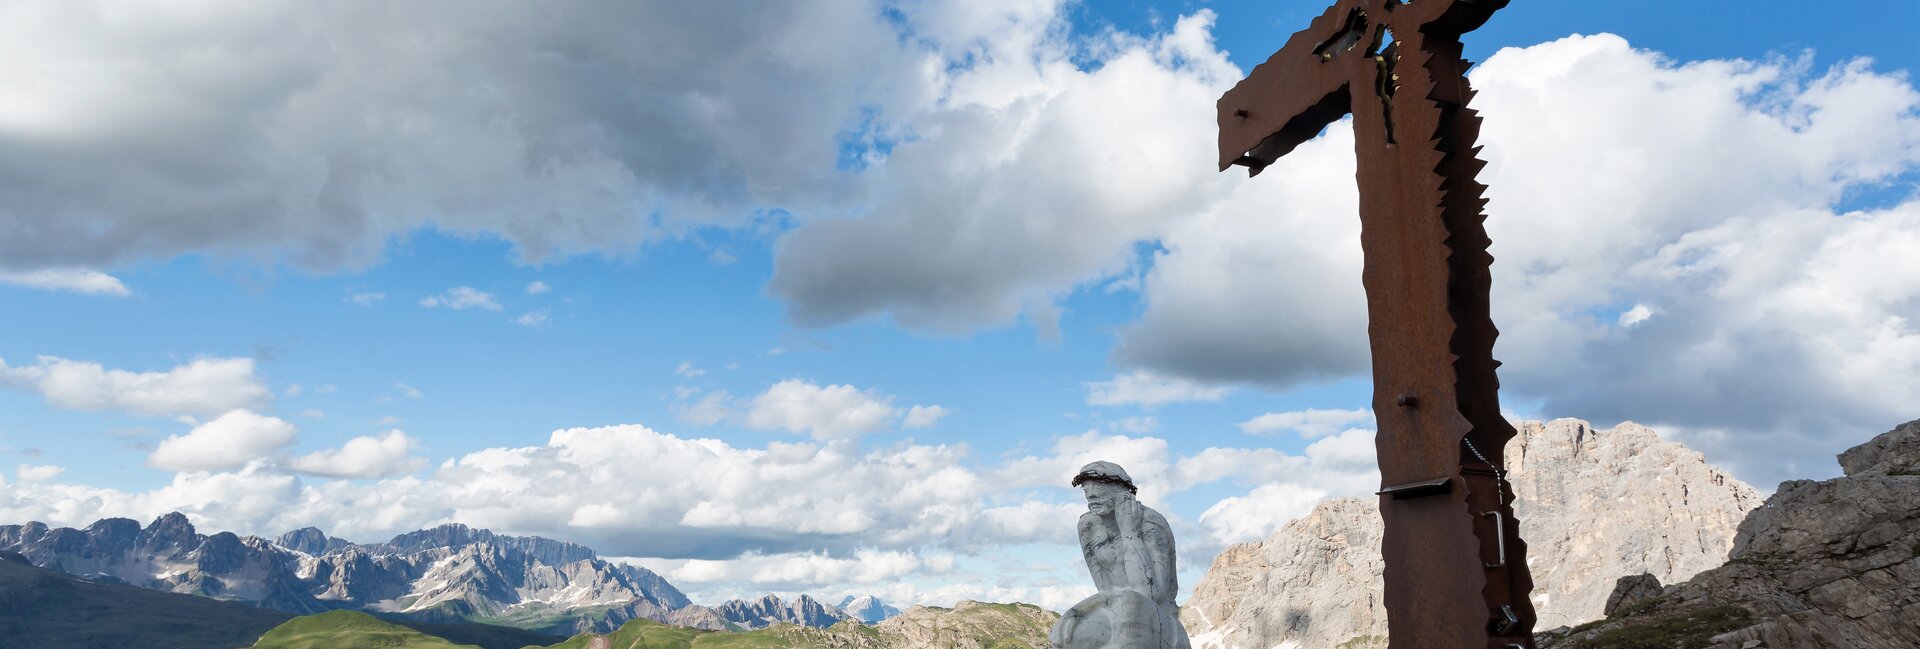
<point>1826,564</point>
<point>1600,504</point>
<point>1316,583</point>
<point>1596,504</point>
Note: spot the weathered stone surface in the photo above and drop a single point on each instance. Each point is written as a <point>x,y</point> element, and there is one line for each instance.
<point>1316,583</point>
<point>1596,505</point>
<point>1827,564</point>
<point>1632,590</point>
<point>1601,504</point>
<point>1895,453</point>
<point>1130,554</point>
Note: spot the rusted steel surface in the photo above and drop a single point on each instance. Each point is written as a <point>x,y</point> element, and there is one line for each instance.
<point>1456,572</point>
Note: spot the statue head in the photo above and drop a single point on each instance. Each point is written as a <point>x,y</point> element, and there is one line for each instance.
<point>1106,486</point>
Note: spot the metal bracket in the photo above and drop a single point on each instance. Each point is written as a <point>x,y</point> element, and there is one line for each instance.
<point>1432,487</point>
<point>1505,623</point>
<point>1499,533</point>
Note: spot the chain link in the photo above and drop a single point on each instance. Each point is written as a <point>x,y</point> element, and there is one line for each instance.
<point>1499,481</point>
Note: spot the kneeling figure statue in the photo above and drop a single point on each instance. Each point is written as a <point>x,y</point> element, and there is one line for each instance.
<point>1129,550</point>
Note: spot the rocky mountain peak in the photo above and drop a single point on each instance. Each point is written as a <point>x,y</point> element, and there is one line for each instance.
<point>442,536</point>
<point>1897,452</point>
<point>867,609</point>
<point>1595,504</point>
<point>169,525</point>
<point>1828,563</point>
<point>114,534</point>
<point>310,540</point>
<point>545,550</point>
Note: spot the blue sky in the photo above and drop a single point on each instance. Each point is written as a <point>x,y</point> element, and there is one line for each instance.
<point>644,262</point>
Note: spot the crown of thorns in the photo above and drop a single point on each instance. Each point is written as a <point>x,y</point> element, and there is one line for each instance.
<point>1097,476</point>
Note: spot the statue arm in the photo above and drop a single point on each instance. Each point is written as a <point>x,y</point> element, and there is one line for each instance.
<point>1136,557</point>
<point>1158,537</point>
<point>1099,574</point>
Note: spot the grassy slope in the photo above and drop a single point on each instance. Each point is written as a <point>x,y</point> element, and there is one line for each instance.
<point>487,636</point>
<point>647,634</point>
<point>641,634</point>
<point>47,609</point>
<point>336,629</point>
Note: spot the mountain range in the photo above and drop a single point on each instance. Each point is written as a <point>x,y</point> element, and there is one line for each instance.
<point>41,608</point>
<point>48,609</point>
<point>450,573</point>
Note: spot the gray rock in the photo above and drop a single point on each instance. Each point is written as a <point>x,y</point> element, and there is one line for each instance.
<point>699,617</point>
<point>1832,563</point>
<point>1630,590</point>
<point>770,610</point>
<point>1595,505</point>
<point>1599,504</point>
<point>1897,452</point>
<point>1314,583</point>
<point>310,540</point>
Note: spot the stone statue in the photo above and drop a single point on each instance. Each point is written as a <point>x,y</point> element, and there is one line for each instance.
<point>1129,550</point>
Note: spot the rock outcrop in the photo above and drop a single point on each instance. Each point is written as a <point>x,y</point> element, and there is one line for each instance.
<point>310,540</point>
<point>1823,564</point>
<point>969,625</point>
<point>1314,583</point>
<point>1596,505</point>
<point>700,617</point>
<point>1601,504</point>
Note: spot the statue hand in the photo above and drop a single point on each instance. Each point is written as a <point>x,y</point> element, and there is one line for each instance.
<point>1128,516</point>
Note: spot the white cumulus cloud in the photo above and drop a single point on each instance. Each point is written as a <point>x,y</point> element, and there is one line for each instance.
<point>924,416</point>
<point>823,411</point>
<point>229,441</point>
<point>1014,189</point>
<point>73,280</point>
<point>38,472</point>
<point>203,387</point>
<point>387,455</point>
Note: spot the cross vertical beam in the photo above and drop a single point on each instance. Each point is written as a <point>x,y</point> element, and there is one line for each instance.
<point>1456,573</point>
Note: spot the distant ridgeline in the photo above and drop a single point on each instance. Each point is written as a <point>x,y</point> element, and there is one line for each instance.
<point>47,609</point>
<point>448,574</point>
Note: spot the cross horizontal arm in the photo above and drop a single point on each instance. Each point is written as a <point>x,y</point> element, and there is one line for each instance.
<point>1308,83</point>
<point>1294,95</point>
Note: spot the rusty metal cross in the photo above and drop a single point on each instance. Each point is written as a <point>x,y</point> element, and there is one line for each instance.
<point>1456,572</point>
